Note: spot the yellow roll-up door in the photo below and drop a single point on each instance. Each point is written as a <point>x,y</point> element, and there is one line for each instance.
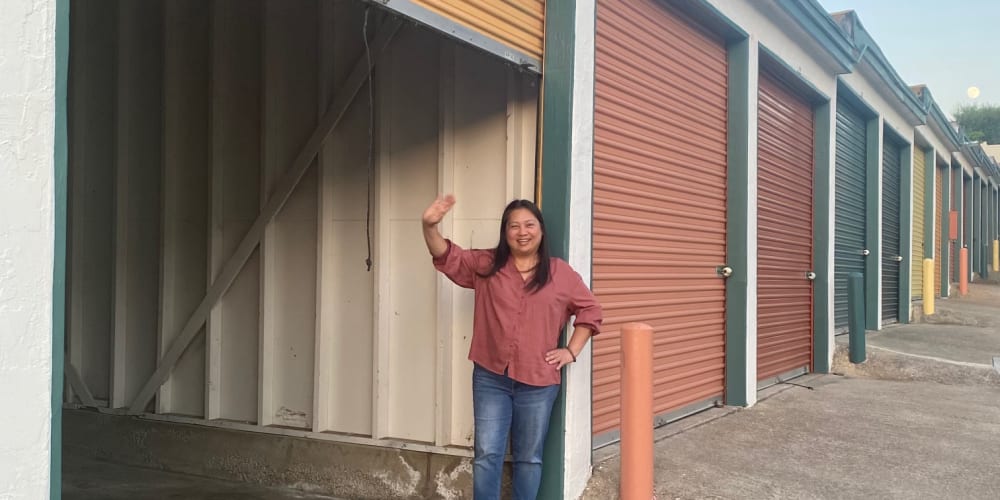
<point>938,214</point>
<point>917,269</point>
<point>511,29</point>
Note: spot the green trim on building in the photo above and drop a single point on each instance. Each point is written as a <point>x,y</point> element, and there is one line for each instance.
<point>945,231</point>
<point>822,242</point>
<point>930,171</point>
<point>935,115</point>
<point>873,199</point>
<point>906,232</point>
<point>738,209</point>
<point>554,177</point>
<point>869,50</point>
<point>814,19</point>
<point>60,198</point>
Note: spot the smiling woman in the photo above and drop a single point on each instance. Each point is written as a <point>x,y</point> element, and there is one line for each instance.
<point>523,297</point>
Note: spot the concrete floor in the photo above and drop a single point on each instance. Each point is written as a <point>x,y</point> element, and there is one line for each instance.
<point>845,439</point>
<point>86,479</point>
<point>919,419</point>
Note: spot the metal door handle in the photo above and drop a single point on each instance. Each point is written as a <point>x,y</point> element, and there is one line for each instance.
<point>810,275</point>
<point>724,271</point>
<point>865,252</point>
<point>899,258</point>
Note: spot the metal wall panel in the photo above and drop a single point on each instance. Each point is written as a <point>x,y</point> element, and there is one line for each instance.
<point>850,204</point>
<point>659,201</point>
<point>234,324</point>
<point>185,192</point>
<point>139,143</point>
<point>384,365</point>
<point>91,245</point>
<point>406,303</point>
<point>917,269</point>
<point>288,248</point>
<point>938,228</point>
<point>344,338</point>
<point>519,24</point>
<point>785,230</point>
<point>891,258</point>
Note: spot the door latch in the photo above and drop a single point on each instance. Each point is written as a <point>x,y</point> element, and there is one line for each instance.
<point>724,271</point>
<point>810,275</point>
<point>866,252</point>
<point>899,258</point>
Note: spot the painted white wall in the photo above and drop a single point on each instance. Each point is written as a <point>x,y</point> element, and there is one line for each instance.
<point>930,136</point>
<point>27,107</point>
<point>578,375</point>
<point>753,118</point>
<point>765,23</point>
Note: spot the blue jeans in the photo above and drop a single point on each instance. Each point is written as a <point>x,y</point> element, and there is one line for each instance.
<point>504,407</point>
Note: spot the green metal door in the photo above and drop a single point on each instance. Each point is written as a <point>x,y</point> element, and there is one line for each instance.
<point>891,258</point>
<point>984,217</point>
<point>849,212</point>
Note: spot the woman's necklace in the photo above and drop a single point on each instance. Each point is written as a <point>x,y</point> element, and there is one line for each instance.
<point>526,270</point>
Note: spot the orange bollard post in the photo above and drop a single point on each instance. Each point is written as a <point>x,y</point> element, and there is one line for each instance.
<point>637,412</point>
<point>963,271</point>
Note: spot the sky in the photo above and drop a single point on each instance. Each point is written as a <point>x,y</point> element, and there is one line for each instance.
<point>949,45</point>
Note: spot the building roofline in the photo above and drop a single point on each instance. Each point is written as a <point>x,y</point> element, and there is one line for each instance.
<point>816,22</point>
<point>866,49</point>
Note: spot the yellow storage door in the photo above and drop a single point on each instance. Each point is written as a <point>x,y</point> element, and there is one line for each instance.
<point>511,29</point>
<point>917,268</point>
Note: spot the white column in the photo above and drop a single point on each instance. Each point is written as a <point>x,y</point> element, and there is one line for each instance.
<point>578,445</point>
<point>27,114</point>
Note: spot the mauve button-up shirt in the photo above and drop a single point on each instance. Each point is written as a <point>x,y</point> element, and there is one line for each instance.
<point>513,328</point>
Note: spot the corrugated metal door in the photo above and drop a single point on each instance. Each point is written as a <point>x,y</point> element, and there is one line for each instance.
<point>959,226</point>
<point>938,234</point>
<point>659,202</point>
<point>785,230</point>
<point>891,258</point>
<point>850,205</point>
<point>984,217</point>
<point>917,269</point>
<point>519,24</point>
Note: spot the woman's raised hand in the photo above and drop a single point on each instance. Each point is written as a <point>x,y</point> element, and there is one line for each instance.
<point>437,210</point>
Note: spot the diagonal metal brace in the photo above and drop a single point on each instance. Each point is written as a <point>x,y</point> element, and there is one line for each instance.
<point>78,385</point>
<point>344,97</point>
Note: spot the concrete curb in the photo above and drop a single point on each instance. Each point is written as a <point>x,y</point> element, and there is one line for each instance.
<point>886,364</point>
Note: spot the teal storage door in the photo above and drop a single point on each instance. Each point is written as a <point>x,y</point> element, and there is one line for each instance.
<point>891,260</point>
<point>849,215</point>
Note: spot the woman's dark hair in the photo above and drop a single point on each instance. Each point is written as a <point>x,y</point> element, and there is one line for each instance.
<point>502,252</point>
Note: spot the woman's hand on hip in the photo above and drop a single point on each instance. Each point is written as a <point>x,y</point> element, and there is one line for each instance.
<point>559,357</point>
<point>437,210</point>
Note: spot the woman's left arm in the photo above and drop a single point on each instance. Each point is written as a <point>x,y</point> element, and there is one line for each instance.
<point>589,317</point>
<point>577,341</point>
